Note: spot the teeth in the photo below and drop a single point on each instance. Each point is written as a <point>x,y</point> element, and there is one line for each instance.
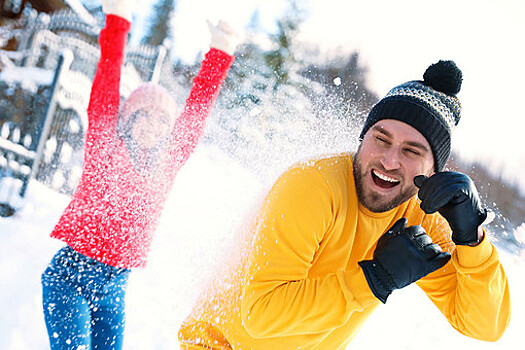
<point>384,177</point>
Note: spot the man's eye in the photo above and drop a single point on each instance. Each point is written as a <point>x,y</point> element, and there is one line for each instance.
<point>412,151</point>
<point>381,139</point>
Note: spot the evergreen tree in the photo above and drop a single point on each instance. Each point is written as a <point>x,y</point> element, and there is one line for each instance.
<point>159,23</point>
<point>264,115</point>
<point>282,60</point>
<point>275,108</point>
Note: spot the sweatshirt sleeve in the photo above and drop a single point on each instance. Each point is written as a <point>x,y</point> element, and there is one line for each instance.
<point>280,298</point>
<point>189,126</point>
<point>105,91</point>
<point>472,292</point>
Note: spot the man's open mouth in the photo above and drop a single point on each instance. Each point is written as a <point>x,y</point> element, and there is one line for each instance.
<point>383,181</point>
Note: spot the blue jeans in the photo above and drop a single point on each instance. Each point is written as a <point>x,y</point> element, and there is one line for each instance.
<point>83,302</point>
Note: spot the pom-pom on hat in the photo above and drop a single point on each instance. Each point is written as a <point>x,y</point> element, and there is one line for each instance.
<point>430,106</point>
<point>150,97</point>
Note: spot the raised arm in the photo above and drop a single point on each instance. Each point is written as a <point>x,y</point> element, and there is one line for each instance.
<point>206,86</point>
<point>105,91</point>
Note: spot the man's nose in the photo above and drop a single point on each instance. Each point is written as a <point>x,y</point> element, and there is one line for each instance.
<point>390,158</point>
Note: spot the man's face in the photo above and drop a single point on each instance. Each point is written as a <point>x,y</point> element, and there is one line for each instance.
<point>391,154</point>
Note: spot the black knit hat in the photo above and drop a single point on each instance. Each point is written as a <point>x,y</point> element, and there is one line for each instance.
<point>430,106</point>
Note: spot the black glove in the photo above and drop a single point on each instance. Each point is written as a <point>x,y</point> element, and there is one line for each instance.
<point>455,196</point>
<point>403,255</point>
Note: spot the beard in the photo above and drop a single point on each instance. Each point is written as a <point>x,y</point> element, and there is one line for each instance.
<point>376,202</point>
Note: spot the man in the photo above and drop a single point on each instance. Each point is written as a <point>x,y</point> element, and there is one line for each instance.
<point>336,236</point>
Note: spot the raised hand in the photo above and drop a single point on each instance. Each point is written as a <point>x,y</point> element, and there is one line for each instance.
<point>456,198</point>
<point>121,8</point>
<point>223,37</point>
<point>402,256</point>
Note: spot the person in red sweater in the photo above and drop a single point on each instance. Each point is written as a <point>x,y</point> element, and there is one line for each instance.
<point>131,158</point>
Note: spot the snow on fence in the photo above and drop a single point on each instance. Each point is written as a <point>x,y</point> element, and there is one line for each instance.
<point>44,93</point>
<point>27,107</point>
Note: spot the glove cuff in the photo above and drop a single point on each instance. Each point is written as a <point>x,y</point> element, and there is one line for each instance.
<point>482,216</point>
<point>118,8</point>
<point>224,45</point>
<point>378,279</point>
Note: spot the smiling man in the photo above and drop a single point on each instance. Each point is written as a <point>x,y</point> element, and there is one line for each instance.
<point>336,236</point>
<point>392,155</point>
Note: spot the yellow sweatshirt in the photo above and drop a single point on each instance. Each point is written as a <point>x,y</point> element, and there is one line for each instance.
<point>298,284</point>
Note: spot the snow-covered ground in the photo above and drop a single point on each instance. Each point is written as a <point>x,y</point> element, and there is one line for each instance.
<point>211,200</point>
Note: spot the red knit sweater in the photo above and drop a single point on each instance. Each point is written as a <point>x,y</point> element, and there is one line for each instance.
<point>115,209</point>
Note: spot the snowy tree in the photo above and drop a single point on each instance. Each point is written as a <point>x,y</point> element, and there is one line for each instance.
<point>255,119</point>
<point>159,23</point>
<point>345,82</point>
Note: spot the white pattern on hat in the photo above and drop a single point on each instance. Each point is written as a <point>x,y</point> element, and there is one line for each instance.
<point>445,105</point>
